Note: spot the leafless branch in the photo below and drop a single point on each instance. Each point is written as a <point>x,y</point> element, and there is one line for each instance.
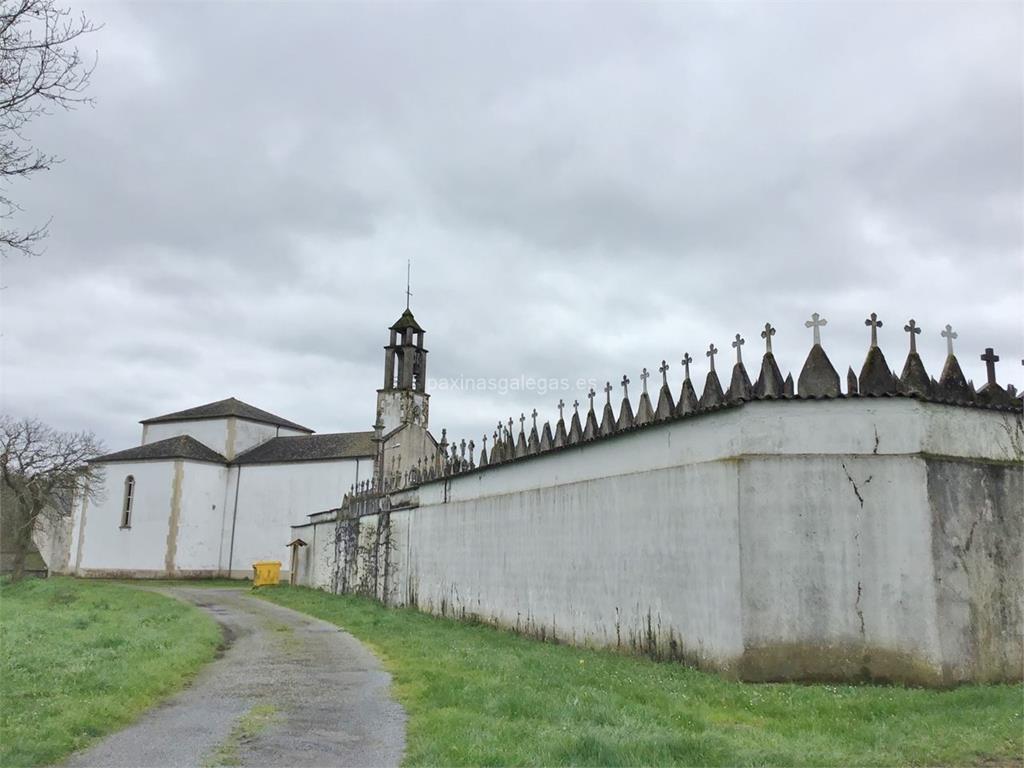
<point>40,67</point>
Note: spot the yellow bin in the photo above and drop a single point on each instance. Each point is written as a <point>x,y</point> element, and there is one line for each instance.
<point>266,572</point>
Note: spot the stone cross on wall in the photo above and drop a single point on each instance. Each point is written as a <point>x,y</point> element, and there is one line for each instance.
<point>875,324</point>
<point>576,403</point>
<point>912,328</point>
<point>990,358</point>
<point>816,322</point>
<point>608,391</point>
<point>522,421</point>
<point>767,334</point>
<point>485,442</point>
<point>591,394</point>
<point>625,386</point>
<point>949,334</point>
<point>737,343</point>
<point>664,373</point>
<point>686,363</point>
<point>644,376</point>
<point>561,405</point>
<point>710,354</point>
<point>509,427</point>
<point>534,415</point>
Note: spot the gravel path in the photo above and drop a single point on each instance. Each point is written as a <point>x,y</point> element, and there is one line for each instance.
<point>290,690</point>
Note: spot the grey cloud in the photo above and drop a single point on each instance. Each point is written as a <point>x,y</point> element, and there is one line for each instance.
<point>584,190</point>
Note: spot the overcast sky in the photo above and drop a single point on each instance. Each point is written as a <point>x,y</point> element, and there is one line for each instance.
<point>583,190</point>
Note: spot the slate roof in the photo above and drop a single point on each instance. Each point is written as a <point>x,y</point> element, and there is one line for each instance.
<point>406,321</point>
<point>223,408</point>
<point>339,445</point>
<point>180,447</point>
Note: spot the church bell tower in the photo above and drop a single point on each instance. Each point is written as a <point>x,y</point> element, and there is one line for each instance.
<point>403,398</point>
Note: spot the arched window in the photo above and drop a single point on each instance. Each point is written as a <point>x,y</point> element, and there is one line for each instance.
<point>129,495</point>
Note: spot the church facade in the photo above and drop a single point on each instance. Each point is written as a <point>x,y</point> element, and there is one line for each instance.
<point>212,489</point>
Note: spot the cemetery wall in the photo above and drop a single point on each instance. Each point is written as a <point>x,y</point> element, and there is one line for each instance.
<point>855,538</point>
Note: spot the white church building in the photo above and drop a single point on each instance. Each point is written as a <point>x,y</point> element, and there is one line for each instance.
<point>212,489</point>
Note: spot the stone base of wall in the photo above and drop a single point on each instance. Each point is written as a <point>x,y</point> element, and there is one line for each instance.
<point>193,575</point>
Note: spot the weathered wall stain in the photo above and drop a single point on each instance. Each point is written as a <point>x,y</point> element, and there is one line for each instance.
<point>174,518</point>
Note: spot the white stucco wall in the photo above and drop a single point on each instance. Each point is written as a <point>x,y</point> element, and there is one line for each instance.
<point>315,560</point>
<point>781,539</point>
<point>200,524</point>
<point>271,497</point>
<point>228,436</point>
<point>176,521</point>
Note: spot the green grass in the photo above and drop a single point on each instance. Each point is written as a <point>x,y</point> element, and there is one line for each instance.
<point>248,727</point>
<point>480,696</point>
<point>79,659</point>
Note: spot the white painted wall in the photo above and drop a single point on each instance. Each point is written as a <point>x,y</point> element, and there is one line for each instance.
<point>213,433</point>
<point>229,436</point>
<point>315,560</point>
<point>200,524</point>
<point>780,539</point>
<point>102,544</point>
<point>271,497</point>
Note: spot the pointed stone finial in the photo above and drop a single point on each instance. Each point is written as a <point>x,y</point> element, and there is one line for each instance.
<point>767,334</point>
<point>710,354</point>
<point>874,323</point>
<point>912,328</point>
<point>737,344</point>
<point>851,381</point>
<point>664,373</point>
<point>816,323</point>
<point>608,392</point>
<point>990,358</point>
<point>686,365</point>
<point>949,334</point>
<point>472,446</point>
<point>462,452</point>
<point>644,376</point>
<point>625,386</point>
<point>561,405</point>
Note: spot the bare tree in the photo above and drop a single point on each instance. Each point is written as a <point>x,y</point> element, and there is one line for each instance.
<point>45,472</point>
<point>40,68</point>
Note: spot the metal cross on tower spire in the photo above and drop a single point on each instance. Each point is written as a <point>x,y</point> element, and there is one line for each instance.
<point>408,281</point>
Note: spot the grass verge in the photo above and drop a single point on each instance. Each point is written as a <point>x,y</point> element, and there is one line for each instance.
<point>79,659</point>
<point>480,696</point>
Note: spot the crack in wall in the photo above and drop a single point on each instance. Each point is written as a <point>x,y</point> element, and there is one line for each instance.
<point>857,607</point>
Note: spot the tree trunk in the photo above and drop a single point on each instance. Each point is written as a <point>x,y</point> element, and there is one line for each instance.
<point>22,543</point>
